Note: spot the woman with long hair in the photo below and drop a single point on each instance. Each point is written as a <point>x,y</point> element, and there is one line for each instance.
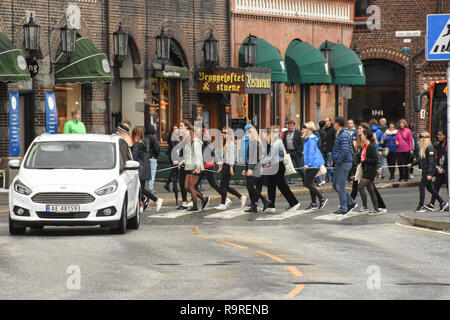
<point>253,171</point>
<point>405,149</point>
<point>274,165</point>
<point>368,158</point>
<point>312,158</point>
<point>427,161</point>
<point>226,168</point>
<point>141,154</point>
<point>178,155</point>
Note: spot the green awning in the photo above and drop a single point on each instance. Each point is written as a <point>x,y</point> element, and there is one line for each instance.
<point>306,65</point>
<point>347,68</point>
<point>13,66</point>
<point>86,66</point>
<point>267,56</point>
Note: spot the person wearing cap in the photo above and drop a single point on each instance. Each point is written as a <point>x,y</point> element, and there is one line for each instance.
<point>75,125</point>
<point>123,130</point>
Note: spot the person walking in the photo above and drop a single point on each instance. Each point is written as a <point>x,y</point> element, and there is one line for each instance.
<point>226,168</point>
<point>174,139</point>
<point>442,166</point>
<point>194,167</point>
<point>123,131</point>
<point>342,162</point>
<point>368,158</point>
<point>153,142</point>
<point>328,145</point>
<point>404,142</point>
<point>253,170</point>
<point>415,154</point>
<point>313,160</point>
<point>427,163</point>
<point>141,154</point>
<point>293,142</point>
<point>352,129</point>
<point>74,125</point>
<point>274,167</point>
<point>389,147</point>
<point>178,155</point>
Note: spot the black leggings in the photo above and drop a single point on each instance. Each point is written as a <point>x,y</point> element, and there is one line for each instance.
<point>438,182</point>
<point>211,179</point>
<point>391,160</point>
<point>182,179</point>
<point>278,180</point>
<point>425,183</point>
<point>254,188</point>
<point>145,192</point>
<point>366,183</point>
<point>380,200</point>
<point>403,159</point>
<point>310,174</point>
<point>225,184</point>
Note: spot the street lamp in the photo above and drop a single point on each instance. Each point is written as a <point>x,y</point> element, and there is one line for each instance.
<point>31,31</point>
<point>250,51</point>
<point>68,40</point>
<point>327,53</point>
<point>163,48</point>
<point>120,45</point>
<point>211,50</point>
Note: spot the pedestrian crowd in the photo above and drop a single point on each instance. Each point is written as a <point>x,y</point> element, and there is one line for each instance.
<point>336,152</point>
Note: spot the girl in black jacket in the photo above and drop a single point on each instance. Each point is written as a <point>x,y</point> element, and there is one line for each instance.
<point>441,170</point>
<point>427,162</point>
<point>368,158</point>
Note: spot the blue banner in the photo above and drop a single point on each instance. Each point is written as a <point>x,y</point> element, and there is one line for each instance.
<point>14,124</point>
<point>51,113</point>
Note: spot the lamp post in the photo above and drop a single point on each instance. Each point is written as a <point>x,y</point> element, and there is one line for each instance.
<point>31,31</point>
<point>211,50</point>
<point>120,45</point>
<point>163,48</point>
<point>68,40</point>
<point>250,52</point>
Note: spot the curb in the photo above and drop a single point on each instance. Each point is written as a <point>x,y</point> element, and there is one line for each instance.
<point>426,223</point>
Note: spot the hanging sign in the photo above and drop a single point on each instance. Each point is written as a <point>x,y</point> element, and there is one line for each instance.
<point>51,113</point>
<point>223,81</point>
<point>258,82</point>
<point>14,124</point>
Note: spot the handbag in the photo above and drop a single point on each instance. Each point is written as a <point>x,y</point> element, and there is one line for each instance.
<point>322,171</point>
<point>359,173</point>
<point>290,169</point>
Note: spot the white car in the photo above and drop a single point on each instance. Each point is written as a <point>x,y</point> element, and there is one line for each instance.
<point>75,180</point>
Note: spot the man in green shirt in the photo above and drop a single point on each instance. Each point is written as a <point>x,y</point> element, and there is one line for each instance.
<point>74,125</point>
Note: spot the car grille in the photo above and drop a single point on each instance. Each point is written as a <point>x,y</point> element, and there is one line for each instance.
<point>63,198</point>
<point>62,215</point>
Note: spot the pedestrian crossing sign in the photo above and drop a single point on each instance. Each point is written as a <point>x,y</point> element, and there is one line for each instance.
<point>438,37</point>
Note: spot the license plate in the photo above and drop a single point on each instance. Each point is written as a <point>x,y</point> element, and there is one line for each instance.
<point>62,208</point>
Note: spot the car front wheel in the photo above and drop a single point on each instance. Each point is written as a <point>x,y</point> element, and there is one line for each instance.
<point>122,225</point>
<point>15,231</point>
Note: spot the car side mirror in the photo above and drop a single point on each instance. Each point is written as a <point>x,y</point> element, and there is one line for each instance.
<point>14,164</point>
<point>131,165</point>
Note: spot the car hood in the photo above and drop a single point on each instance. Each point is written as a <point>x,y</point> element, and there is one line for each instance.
<point>92,179</point>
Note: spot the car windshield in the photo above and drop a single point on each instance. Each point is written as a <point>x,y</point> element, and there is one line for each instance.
<point>86,155</point>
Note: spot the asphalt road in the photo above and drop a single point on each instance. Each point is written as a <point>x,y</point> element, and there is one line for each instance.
<point>209,255</point>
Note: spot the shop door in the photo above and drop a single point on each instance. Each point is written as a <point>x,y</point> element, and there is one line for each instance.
<point>210,112</point>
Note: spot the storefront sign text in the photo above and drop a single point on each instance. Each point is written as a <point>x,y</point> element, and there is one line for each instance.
<point>221,82</point>
<point>51,113</point>
<point>258,83</point>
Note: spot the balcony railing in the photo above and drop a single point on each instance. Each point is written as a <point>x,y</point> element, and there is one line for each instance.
<point>307,9</point>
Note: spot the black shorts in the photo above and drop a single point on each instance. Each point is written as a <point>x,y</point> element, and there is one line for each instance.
<point>192,173</point>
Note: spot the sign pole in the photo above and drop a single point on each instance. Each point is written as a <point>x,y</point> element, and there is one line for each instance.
<point>448,128</point>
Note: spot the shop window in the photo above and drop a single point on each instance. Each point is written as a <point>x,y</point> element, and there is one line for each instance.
<point>292,105</point>
<point>68,97</point>
<point>165,95</point>
<point>361,14</point>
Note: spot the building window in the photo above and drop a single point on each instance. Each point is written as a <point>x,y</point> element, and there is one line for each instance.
<point>165,95</point>
<point>68,97</point>
<point>361,8</point>
<point>292,105</point>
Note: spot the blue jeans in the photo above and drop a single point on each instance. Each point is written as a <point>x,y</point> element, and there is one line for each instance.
<point>340,178</point>
<point>153,166</point>
<point>383,166</point>
<point>329,160</point>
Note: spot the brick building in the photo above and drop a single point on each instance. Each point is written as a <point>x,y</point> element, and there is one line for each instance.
<point>394,60</point>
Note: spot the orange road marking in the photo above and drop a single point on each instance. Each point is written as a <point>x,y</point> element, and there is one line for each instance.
<point>194,229</point>
<point>295,271</point>
<point>232,244</point>
<point>295,291</point>
<point>202,235</point>
<point>271,256</point>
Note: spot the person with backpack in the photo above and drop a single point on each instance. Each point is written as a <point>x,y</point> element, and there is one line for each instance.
<point>141,154</point>
<point>427,162</point>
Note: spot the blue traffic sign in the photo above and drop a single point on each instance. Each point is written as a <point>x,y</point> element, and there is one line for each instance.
<point>438,37</point>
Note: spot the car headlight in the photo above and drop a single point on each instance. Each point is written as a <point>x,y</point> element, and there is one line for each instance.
<point>107,188</point>
<point>21,188</point>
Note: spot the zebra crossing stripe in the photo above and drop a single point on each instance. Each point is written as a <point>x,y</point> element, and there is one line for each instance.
<point>283,215</point>
<point>227,214</point>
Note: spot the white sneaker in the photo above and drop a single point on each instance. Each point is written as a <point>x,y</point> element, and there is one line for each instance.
<point>270,210</point>
<point>382,210</point>
<point>294,208</point>
<point>190,205</point>
<point>243,201</point>
<point>159,203</point>
<point>227,202</point>
<point>221,207</point>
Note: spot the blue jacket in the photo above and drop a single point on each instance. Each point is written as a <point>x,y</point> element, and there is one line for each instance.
<point>312,156</point>
<point>244,146</point>
<point>389,140</point>
<point>377,132</point>
<point>342,149</point>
